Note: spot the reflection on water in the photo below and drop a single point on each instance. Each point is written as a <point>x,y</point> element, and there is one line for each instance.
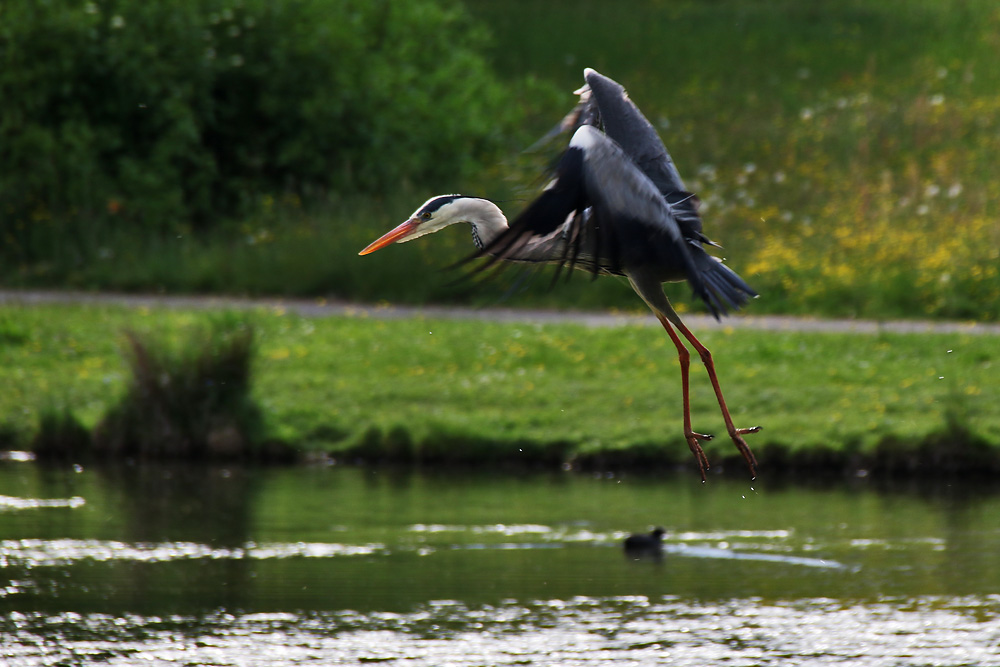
<point>202,565</point>
<point>37,553</point>
<point>580,631</point>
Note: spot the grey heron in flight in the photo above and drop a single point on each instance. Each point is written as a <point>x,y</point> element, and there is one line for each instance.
<point>616,206</point>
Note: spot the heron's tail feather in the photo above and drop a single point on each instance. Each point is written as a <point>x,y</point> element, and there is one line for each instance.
<point>725,290</point>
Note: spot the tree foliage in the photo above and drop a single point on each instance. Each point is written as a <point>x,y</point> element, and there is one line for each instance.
<point>167,113</point>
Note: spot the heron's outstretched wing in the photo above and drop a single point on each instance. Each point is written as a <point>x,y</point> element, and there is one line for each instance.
<point>629,128</point>
<point>605,104</point>
<point>624,123</point>
<point>622,120</point>
<point>602,214</point>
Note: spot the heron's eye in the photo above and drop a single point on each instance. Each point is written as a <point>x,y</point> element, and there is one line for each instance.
<point>426,215</point>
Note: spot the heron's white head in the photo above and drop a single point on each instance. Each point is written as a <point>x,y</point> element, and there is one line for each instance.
<point>435,214</point>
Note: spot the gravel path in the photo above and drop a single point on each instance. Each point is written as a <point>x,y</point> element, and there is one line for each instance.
<point>324,308</point>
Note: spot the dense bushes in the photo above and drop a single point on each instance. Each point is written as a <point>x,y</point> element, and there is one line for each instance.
<point>171,113</point>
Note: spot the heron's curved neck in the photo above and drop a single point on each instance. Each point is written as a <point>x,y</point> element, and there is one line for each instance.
<point>486,219</point>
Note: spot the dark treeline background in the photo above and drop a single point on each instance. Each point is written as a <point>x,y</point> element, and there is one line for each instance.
<point>842,150</point>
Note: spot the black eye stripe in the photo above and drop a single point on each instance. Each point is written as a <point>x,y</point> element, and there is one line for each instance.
<point>437,203</point>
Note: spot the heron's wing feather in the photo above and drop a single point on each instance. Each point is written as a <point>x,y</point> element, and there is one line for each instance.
<point>585,112</point>
<point>613,181</point>
<point>646,232</point>
<point>544,231</point>
<point>600,213</point>
<point>624,123</point>
<point>630,129</point>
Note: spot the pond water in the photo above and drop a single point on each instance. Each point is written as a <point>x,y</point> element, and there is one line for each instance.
<point>183,565</point>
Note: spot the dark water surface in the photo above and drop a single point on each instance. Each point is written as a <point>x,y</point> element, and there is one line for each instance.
<point>176,565</point>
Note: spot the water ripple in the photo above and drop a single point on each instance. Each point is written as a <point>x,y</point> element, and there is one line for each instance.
<point>15,503</point>
<point>37,553</point>
<point>498,528</point>
<point>631,630</point>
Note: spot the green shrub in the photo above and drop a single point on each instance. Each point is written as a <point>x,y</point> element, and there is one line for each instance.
<point>168,113</point>
<point>190,402</point>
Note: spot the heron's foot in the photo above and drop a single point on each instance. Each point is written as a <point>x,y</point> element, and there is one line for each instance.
<point>737,435</point>
<point>699,453</point>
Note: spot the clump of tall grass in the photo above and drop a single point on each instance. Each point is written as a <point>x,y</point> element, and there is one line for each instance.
<point>188,401</point>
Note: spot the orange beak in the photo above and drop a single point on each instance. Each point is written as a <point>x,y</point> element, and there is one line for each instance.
<point>396,234</point>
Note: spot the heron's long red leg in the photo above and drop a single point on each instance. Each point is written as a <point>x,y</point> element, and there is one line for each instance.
<point>684,357</point>
<point>735,433</point>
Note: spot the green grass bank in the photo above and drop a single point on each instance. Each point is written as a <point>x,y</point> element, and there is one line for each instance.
<point>425,391</point>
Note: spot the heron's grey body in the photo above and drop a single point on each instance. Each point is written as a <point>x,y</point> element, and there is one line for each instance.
<point>616,205</point>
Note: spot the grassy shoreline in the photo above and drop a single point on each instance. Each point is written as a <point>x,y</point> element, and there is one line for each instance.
<point>427,391</point>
